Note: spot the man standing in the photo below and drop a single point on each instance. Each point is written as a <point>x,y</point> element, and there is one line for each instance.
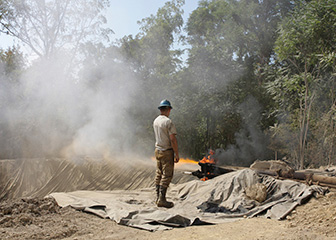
<point>165,149</point>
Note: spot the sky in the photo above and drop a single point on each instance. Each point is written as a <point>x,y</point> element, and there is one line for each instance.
<point>122,16</point>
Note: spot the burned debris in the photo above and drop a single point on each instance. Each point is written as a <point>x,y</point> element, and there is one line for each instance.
<point>209,167</point>
<point>279,169</point>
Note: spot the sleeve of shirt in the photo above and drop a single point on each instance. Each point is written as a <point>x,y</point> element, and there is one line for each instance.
<point>171,128</point>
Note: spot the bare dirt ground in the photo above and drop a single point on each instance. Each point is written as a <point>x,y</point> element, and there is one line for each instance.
<point>38,218</point>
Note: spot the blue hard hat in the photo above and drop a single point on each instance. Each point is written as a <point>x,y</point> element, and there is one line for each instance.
<point>164,103</point>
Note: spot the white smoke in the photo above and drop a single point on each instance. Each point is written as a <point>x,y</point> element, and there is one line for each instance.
<point>55,113</point>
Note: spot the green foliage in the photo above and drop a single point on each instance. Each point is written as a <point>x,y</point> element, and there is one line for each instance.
<point>11,61</point>
<point>150,51</point>
<point>303,69</point>
<point>228,40</point>
<point>241,29</point>
<point>309,32</point>
<point>11,67</point>
<point>305,39</point>
<point>155,63</point>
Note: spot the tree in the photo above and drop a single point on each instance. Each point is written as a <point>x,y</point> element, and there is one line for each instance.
<point>11,61</point>
<point>11,66</point>
<point>304,40</point>
<point>237,30</point>
<point>48,26</point>
<point>229,42</point>
<point>155,63</point>
<point>150,51</point>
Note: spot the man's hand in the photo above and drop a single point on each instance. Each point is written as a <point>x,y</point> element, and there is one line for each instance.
<point>177,159</point>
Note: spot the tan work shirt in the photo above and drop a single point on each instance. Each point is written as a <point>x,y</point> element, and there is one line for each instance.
<point>163,127</point>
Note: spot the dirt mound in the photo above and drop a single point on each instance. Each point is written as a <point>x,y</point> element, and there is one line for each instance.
<point>38,218</point>
<point>318,216</point>
<point>26,211</point>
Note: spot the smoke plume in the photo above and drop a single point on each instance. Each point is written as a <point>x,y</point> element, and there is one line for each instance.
<point>51,112</point>
<point>250,140</point>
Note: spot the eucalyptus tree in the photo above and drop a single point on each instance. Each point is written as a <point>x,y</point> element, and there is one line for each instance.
<point>229,41</point>
<point>155,62</point>
<point>50,26</point>
<point>302,71</point>
<point>151,51</point>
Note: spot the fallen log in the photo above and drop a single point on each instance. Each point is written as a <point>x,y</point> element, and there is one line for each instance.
<point>323,179</point>
<point>309,178</point>
<point>315,178</point>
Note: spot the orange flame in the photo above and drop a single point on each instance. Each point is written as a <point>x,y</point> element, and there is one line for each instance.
<point>188,160</point>
<point>183,160</point>
<point>209,159</point>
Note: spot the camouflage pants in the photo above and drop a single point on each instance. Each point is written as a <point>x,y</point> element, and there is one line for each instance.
<point>164,167</point>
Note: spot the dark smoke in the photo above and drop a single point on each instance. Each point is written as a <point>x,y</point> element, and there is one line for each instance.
<point>250,140</point>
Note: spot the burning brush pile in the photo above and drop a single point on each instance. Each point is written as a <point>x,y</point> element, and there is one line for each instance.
<point>209,167</point>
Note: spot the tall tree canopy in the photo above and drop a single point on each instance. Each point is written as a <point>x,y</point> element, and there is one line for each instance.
<point>49,26</point>
<point>302,72</point>
<point>229,42</point>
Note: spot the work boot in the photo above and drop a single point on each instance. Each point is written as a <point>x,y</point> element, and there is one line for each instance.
<point>157,188</point>
<point>162,202</point>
